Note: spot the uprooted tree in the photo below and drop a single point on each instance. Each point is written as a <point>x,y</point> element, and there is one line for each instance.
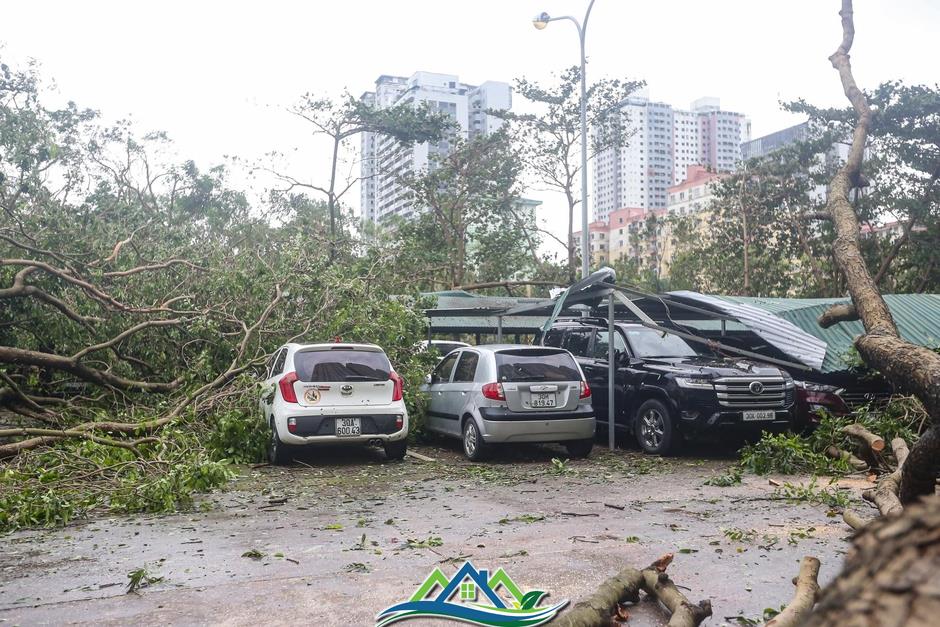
<point>912,368</point>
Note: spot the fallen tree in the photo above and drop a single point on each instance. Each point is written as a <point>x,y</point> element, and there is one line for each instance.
<point>909,367</point>
<point>624,587</point>
<point>890,576</point>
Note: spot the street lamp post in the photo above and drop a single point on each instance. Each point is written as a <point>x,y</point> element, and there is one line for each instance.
<point>540,22</point>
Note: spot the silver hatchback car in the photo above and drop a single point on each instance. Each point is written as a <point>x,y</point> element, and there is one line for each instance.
<point>507,393</point>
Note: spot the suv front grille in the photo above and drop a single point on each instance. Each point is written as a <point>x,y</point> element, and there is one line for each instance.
<point>737,392</point>
<point>857,397</point>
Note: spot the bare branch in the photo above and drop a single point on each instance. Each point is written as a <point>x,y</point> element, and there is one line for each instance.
<point>840,312</point>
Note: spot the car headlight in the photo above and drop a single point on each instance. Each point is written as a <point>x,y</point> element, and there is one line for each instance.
<point>698,383</point>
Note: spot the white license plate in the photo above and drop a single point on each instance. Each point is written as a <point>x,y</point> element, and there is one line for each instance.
<point>346,427</point>
<point>756,416</point>
<point>542,400</point>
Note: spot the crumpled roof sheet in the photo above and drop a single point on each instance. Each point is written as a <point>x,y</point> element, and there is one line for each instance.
<point>916,315</point>
<point>783,334</point>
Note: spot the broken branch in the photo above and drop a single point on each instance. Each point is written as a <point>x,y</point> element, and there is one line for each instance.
<point>874,442</point>
<point>842,312</point>
<point>807,590</point>
<point>837,453</point>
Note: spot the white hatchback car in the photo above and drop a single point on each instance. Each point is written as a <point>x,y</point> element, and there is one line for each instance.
<point>333,394</point>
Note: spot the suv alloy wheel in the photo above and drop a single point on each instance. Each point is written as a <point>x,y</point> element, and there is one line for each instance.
<point>654,428</point>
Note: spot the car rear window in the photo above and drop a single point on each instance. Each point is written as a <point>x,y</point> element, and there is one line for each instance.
<point>536,365</point>
<point>341,365</point>
<point>444,348</point>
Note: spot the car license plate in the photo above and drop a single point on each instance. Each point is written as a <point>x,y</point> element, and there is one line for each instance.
<point>542,400</point>
<point>755,416</point>
<point>346,427</point>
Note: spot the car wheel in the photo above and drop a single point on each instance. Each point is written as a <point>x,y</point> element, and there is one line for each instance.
<point>279,453</point>
<point>579,448</point>
<point>655,431</point>
<point>473,446</point>
<point>396,450</point>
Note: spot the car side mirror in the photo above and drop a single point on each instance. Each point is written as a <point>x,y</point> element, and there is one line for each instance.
<point>627,360</point>
<point>429,379</point>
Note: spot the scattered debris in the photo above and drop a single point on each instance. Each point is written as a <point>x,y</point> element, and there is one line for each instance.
<point>139,579</point>
<point>424,544</point>
<point>419,456</point>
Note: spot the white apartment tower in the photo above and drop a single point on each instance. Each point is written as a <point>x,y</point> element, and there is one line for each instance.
<point>664,144</point>
<point>384,160</point>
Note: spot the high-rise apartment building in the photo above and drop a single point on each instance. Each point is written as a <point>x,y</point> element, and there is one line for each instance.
<point>384,160</point>
<point>665,142</point>
<point>775,141</point>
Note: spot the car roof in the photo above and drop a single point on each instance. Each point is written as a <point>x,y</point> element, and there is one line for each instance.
<point>336,346</point>
<point>496,348</point>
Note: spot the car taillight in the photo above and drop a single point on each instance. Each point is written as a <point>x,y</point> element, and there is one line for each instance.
<point>585,390</point>
<point>292,424</point>
<point>287,387</point>
<point>494,391</point>
<point>398,388</point>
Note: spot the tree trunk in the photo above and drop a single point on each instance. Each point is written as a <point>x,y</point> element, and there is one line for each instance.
<point>891,575</point>
<point>912,368</point>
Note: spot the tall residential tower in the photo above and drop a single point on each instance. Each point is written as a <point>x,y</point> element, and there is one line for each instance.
<point>384,160</point>
<point>666,141</point>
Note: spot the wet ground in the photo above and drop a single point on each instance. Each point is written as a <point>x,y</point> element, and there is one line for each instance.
<point>339,537</point>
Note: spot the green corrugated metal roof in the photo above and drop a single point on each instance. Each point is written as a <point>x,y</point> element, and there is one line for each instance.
<point>916,315</point>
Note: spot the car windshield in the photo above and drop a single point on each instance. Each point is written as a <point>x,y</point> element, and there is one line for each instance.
<point>536,365</point>
<point>341,365</point>
<point>649,343</point>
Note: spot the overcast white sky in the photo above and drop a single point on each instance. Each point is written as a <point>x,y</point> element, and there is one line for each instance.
<point>214,75</point>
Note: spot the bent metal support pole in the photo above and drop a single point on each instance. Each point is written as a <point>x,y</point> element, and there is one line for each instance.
<point>611,373</point>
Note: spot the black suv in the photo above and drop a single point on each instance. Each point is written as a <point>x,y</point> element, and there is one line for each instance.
<point>666,391</point>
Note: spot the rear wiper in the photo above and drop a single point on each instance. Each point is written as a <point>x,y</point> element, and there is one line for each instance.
<point>360,377</point>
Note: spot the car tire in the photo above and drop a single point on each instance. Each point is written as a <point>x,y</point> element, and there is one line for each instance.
<point>579,449</point>
<point>473,445</point>
<point>396,450</point>
<point>654,428</point>
<point>279,454</point>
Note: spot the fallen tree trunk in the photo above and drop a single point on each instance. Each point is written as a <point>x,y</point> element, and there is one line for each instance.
<point>684,613</point>
<point>885,495</point>
<point>890,576</point>
<point>807,589</point>
<point>853,520</point>
<point>911,368</point>
<point>874,442</point>
<point>597,609</point>
<point>837,453</point>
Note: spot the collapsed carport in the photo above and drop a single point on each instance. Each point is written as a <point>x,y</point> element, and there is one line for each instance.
<point>599,295</point>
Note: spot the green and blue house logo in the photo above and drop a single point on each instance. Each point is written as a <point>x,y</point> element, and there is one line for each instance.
<point>470,596</point>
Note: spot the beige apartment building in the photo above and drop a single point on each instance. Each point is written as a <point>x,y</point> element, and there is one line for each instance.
<point>629,233</point>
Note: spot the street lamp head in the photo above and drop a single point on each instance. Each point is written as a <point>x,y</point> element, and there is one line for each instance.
<point>541,20</point>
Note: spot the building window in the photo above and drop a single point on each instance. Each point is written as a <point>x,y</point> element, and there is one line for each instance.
<point>468,591</point>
